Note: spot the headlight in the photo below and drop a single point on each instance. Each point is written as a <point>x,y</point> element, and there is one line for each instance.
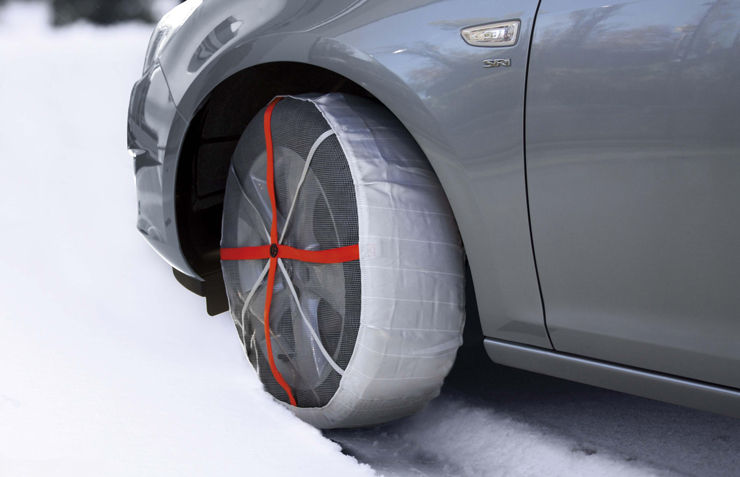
<point>168,26</point>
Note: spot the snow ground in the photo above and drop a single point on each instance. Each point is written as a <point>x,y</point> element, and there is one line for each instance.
<point>109,367</point>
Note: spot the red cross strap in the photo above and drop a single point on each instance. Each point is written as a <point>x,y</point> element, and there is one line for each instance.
<point>274,251</point>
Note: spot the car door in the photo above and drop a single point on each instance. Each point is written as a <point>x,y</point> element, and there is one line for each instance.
<point>633,169</point>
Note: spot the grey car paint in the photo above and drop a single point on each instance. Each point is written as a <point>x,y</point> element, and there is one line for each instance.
<point>469,120</point>
<point>410,56</point>
<point>633,160</point>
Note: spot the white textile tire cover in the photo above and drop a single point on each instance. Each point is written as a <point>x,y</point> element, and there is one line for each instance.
<point>360,278</point>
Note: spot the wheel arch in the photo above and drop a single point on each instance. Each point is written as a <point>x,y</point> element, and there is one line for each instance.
<point>433,83</point>
<point>209,141</point>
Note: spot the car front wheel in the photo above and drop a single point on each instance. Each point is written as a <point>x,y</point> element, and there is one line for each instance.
<point>342,261</point>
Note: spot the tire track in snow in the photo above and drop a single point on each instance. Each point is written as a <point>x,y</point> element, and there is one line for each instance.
<point>494,420</point>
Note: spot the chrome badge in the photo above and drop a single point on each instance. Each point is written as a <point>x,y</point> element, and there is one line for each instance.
<point>492,34</point>
<point>496,62</point>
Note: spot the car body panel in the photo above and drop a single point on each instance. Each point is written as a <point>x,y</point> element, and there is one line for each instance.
<point>633,162</point>
<point>410,55</point>
<point>152,117</point>
<point>470,122</point>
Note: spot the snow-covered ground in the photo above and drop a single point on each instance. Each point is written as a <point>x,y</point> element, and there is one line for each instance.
<point>109,367</point>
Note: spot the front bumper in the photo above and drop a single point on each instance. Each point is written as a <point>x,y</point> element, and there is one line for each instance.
<point>155,130</point>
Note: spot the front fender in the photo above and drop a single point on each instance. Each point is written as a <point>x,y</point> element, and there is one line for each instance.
<point>410,56</point>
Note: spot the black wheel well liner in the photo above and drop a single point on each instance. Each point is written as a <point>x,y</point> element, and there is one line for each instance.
<point>205,156</point>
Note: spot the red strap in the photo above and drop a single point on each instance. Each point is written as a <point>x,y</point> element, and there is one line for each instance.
<point>273,239</point>
<point>263,252</point>
<point>271,169</point>
<point>268,336</point>
<point>332,255</point>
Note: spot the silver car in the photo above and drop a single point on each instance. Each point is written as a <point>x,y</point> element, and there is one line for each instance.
<point>583,158</point>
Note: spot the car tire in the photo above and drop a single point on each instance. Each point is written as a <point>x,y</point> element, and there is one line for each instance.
<point>359,280</point>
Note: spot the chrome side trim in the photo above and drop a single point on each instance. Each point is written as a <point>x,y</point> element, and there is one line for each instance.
<point>647,384</point>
